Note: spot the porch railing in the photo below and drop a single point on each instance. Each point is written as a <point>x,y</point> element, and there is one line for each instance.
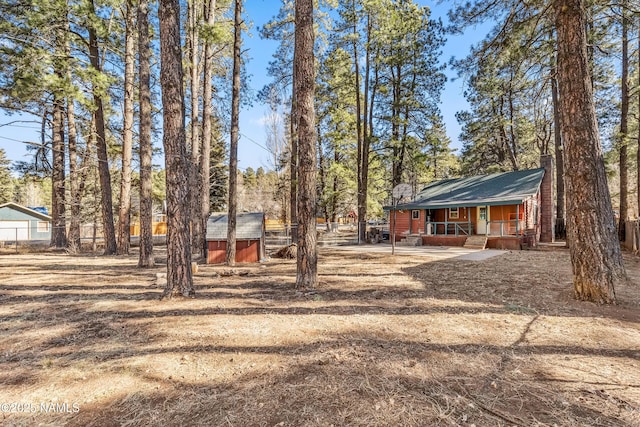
<point>501,228</point>
<point>449,228</point>
<point>494,228</point>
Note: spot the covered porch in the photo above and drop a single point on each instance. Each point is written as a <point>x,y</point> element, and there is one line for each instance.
<point>476,220</point>
<point>488,220</point>
<point>506,226</point>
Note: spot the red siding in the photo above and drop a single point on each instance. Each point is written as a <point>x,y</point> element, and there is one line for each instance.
<point>443,240</point>
<point>401,222</point>
<point>246,251</point>
<point>216,252</point>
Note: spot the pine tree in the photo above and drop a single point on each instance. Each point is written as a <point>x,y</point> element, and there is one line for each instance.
<point>6,181</point>
<point>233,146</point>
<point>207,123</point>
<point>145,258</point>
<point>595,250</point>
<point>304,88</point>
<point>179,278</point>
<point>124,216</point>
<point>218,172</point>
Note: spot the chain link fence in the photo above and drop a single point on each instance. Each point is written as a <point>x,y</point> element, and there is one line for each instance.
<point>22,239</point>
<point>26,238</point>
<point>279,235</point>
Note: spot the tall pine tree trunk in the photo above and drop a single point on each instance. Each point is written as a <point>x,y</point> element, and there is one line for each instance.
<point>77,173</point>
<point>362,185</point>
<point>559,152</point>
<point>101,145</point>
<point>196,226</point>
<point>58,173</point>
<point>304,92</point>
<point>233,148</point>
<point>323,183</point>
<point>77,176</point>
<point>293,165</point>
<point>145,258</point>
<point>638,139</point>
<point>58,231</point>
<point>207,128</point>
<point>624,124</point>
<point>179,278</point>
<point>366,134</point>
<point>594,247</point>
<point>124,214</point>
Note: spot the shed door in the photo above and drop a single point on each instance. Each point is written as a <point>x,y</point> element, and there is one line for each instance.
<point>14,230</point>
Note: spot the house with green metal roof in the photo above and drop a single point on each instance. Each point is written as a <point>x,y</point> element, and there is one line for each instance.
<point>505,209</point>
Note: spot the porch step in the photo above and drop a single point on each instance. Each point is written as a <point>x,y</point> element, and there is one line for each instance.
<point>476,242</point>
<point>411,241</point>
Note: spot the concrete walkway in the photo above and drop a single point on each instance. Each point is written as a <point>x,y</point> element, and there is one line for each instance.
<point>438,252</point>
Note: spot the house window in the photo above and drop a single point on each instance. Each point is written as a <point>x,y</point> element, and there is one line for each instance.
<point>454,213</point>
<point>43,226</point>
<point>415,214</point>
<point>483,214</point>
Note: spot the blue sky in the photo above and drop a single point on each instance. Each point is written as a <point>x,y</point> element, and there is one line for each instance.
<point>251,151</point>
<point>253,135</point>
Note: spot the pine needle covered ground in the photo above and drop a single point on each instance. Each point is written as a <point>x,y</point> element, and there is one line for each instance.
<point>404,340</point>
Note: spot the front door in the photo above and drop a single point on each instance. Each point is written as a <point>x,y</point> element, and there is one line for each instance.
<point>416,222</point>
<point>482,219</point>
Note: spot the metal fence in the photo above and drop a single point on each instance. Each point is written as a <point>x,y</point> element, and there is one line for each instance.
<point>14,239</point>
<point>278,235</point>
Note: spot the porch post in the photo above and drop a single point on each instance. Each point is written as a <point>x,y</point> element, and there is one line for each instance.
<point>517,219</point>
<point>487,221</point>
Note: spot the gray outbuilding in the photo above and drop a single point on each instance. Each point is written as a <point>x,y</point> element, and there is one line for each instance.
<point>19,223</point>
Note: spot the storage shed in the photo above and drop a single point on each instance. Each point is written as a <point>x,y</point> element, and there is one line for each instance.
<point>250,237</point>
<point>20,223</point>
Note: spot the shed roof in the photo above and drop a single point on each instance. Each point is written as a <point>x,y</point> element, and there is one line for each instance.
<point>249,225</point>
<point>27,211</point>
<point>506,188</point>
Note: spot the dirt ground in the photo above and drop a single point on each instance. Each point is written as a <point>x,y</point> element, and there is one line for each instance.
<point>383,341</point>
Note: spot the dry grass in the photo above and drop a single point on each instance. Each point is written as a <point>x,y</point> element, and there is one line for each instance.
<point>383,341</point>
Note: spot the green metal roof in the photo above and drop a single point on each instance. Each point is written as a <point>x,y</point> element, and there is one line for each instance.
<point>506,188</point>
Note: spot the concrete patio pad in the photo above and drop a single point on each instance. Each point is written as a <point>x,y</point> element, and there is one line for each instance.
<point>437,252</point>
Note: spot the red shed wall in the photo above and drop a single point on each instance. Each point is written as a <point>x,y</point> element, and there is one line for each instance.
<point>246,251</point>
